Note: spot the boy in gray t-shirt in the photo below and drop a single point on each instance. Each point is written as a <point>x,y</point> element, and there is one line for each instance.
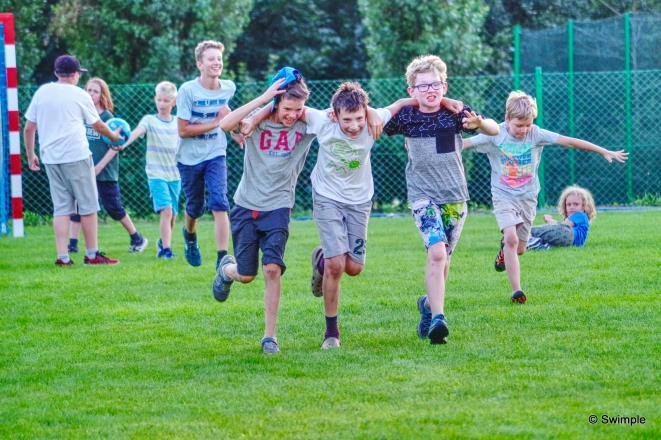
<point>514,155</point>
<point>274,157</point>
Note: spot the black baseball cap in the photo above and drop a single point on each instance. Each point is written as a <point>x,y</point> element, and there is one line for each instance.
<point>67,65</point>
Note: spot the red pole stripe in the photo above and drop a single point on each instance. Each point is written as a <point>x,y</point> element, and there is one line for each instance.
<point>13,121</point>
<point>8,21</point>
<point>17,207</point>
<point>12,78</point>
<point>14,164</point>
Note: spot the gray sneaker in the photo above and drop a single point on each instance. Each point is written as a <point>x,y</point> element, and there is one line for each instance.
<point>221,283</point>
<point>317,277</point>
<point>330,343</point>
<point>270,345</point>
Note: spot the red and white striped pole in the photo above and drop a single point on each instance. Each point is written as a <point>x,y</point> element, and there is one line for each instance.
<point>7,20</point>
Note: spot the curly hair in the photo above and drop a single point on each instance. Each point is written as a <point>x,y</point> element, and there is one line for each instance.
<point>585,196</point>
<point>424,64</point>
<point>349,97</point>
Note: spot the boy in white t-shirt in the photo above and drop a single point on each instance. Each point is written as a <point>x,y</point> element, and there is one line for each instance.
<point>342,193</point>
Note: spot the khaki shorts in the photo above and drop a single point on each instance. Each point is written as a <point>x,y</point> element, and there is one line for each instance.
<point>519,213</point>
<point>342,227</point>
<point>73,184</point>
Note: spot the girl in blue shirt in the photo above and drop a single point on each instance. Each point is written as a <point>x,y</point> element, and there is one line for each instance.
<point>576,205</point>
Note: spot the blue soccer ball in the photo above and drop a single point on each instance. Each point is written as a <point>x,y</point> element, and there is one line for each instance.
<point>113,124</point>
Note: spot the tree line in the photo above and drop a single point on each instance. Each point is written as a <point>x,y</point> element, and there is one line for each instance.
<point>127,41</point>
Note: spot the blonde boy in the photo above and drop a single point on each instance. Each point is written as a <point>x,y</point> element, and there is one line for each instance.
<point>514,155</point>
<point>436,184</point>
<point>161,164</point>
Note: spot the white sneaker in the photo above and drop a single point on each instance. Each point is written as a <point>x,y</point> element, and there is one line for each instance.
<point>330,343</point>
<point>317,277</point>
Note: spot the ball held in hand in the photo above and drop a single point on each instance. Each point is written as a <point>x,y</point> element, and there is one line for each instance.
<point>113,124</point>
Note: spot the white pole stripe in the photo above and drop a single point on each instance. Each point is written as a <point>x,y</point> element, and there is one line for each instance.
<point>12,99</point>
<point>17,226</point>
<point>16,188</point>
<point>14,143</point>
<point>10,55</point>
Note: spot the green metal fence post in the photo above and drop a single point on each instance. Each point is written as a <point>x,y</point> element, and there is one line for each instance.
<point>570,98</point>
<point>539,96</point>
<point>627,94</point>
<point>516,80</point>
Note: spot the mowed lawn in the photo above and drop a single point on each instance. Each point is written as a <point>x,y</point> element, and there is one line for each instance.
<point>143,351</point>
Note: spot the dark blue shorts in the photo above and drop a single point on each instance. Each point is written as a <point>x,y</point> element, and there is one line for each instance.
<point>255,230</point>
<point>110,199</point>
<point>211,174</point>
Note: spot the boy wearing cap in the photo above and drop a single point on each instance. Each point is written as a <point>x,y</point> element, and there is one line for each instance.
<point>275,153</point>
<point>58,112</point>
<point>201,105</point>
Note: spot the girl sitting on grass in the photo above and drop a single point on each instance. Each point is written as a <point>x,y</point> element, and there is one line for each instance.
<point>576,206</point>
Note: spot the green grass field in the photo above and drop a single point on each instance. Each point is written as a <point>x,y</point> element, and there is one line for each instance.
<point>143,351</point>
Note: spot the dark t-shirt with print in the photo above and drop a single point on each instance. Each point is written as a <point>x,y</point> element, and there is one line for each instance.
<point>434,170</point>
<point>99,149</point>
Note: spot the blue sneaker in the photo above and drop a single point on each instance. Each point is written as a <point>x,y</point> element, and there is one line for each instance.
<point>221,283</point>
<point>270,346</point>
<point>438,331</point>
<point>192,251</point>
<point>425,317</point>
<point>159,246</point>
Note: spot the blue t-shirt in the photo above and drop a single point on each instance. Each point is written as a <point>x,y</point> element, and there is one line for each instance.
<point>581,227</point>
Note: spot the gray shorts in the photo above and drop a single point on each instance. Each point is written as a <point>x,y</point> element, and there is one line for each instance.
<point>342,227</point>
<point>520,213</point>
<point>73,184</point>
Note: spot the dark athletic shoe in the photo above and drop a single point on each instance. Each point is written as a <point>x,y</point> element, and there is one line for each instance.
<point>317,277</point>
<point>270,346</point>
<point>222,284</point>
<point>438,331</point>
<point>499,264</point>
<point>192,251</point>
<point>519,297</point>
<point>425,317</point>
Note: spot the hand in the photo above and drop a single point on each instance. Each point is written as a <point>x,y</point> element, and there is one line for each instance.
<point>620,156</point>
<point>374,124</point>
<point>471,120</point>
<point>247,127</point>
<point>118,135</point>
<point>548,219</point>
<point>453,105</point>
<point>238,138</point>
<point>33,162</point>
<point>273,91</point>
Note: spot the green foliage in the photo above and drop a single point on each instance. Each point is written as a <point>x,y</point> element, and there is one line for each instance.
<point>141,350</point>
<point>146,42</point>
<point>399,30</point>
<point>322,38</point>
<point>648,200</point>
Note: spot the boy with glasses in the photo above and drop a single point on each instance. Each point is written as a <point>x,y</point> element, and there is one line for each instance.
<point>436,184</point>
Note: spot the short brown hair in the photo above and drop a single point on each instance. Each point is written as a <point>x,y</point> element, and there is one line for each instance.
<point>105,100</point>
<point>349,97</point>
<point>424,64</point>
<point>520,106</point>
<point>296,90</point>
<point>207,44</point>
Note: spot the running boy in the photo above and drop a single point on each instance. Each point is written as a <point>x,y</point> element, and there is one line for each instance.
<point>161,163</point>
<point>274,157</point>
<point>342,194</point>
<point>201,104</point>
<point>514,155</point>
<point>435,180</point>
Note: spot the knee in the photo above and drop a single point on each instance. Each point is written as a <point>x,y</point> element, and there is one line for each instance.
<point>334,267</point>
<point>166,213</point>
<point>511,241</point>
<point>271,271</point>
<point>352,268</point>
<point>437,254</point>
<point>245,279</point>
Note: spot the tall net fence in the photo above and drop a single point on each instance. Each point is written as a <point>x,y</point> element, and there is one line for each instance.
<point>599,115</point>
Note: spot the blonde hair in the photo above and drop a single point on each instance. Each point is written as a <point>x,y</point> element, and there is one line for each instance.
<point>207,44</point>
<point>583,194</point>
<point>520,106</point>
<point>424,64</point>
<point>105,100</point>
<point>166,88</point>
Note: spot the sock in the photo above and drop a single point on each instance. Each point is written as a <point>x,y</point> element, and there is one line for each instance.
<point>64,258</point>
<point>91,253</point>
<point>332,330</point>
<point>73,242</point>
<point>191,236</point>
<point>136,238</point>
<point>320,265</point>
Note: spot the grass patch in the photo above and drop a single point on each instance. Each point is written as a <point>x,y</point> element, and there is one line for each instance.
<point>143,350</point>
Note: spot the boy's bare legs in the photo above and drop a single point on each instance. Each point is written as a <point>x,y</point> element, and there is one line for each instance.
<point>334,268</point>
<point>74,230</point>
<point>61,225</point>
<point>272,274</point>
<point>436,274</point>
<point>511,250</point>
<point>90,227</point>
<point>222,229</point>
<point>128,224</point>
<point>190,224</point>
<point>166,226</point>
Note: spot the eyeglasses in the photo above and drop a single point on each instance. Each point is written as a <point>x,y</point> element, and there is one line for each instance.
<point>436,85</point>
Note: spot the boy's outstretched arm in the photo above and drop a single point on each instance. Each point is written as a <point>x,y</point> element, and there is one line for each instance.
<point>580,144</point>
<point>473,121</point>
<point>233,119</point>
<point>136,134</point>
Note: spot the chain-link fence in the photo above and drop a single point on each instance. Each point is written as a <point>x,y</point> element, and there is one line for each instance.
<point>599,115</point>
